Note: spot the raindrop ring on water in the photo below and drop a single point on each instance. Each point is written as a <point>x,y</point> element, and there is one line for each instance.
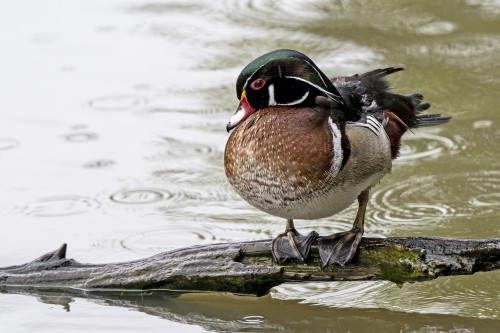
<point>486,186</point>
<point>423,145</point>
<point>6,143</point>
<point>96,164</point>
<point>80,137</point>
<point>252,320</point>
<point>117,103</point>
<point>402,202</point>
<point>58,206</point>
<point>139,196</point>
<point>175,236</point>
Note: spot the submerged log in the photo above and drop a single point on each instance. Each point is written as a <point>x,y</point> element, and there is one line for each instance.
<point>248,267</point>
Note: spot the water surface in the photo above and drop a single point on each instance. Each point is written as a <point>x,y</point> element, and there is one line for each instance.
<point>112,133</point>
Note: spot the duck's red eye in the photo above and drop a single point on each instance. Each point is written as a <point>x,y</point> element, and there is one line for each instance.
<point>257,84</point>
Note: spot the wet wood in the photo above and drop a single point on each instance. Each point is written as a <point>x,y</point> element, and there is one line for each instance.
<point>248,267</point>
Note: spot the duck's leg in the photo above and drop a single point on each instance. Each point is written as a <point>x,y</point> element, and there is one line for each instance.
<point>291,245</point>
<point>341,247</point>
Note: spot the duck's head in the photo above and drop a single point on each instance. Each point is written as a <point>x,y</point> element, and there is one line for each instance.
<point>281,77</point>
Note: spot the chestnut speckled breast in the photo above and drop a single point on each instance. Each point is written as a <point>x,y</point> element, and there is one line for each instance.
<point>288,162</point>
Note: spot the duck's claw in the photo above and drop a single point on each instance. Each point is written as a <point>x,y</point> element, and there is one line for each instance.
<point>339,248</point>
<point>291,245</point>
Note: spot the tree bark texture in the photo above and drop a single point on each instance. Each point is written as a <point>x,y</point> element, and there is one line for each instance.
<point>248,267</point>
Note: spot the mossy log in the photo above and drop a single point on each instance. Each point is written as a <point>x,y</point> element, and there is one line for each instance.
<point>248,267</point>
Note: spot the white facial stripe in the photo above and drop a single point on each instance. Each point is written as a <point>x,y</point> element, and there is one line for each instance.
<point>317,72</point>
<point>279,72</point>
<point>251,76</point>
<point>300,100</point>
<point>329,94</point>
<point>272,100</point>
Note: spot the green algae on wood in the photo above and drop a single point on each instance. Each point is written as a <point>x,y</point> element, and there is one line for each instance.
<point>398,264</point>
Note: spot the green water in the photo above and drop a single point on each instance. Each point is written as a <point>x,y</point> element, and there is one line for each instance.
<point>112,133</point>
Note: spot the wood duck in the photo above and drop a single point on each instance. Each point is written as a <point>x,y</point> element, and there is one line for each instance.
<point>305,147</point>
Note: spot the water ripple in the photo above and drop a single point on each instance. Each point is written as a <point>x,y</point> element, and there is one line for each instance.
<point>173,237</point>
<point>59,206</point>
<point>471,295</point>
<point>468,46</point>
<point>140,196</point>
<point>6,143</point>
<point>418,200</point>
<point>426,145</point>
<point>337,294</point>
<point>183,233</point>
<point>252,320</point>
<point>479,50</point>
<point>409,202</point>
<point>97,164</point>
<point>486,188</point>
<point>80,137</point>
<point>437,28</point>
<point>273,13</point>
<point>117,102</point>
<point>179,148</point>
<point>484,123</point>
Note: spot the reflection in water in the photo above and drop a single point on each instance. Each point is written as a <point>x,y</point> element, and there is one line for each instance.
<point>230,313</point>
<point>447,295</point>
<point>364,294</point>
<point>56,299</point>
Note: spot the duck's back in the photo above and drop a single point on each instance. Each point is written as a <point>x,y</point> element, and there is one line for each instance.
<point>368,94</point>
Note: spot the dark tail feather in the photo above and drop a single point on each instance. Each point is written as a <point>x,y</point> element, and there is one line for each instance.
<point>409,108</point>
<point>381,72</point>
<point>432,120</point>
<point>402,112</point>
<point>424,120</point>
<point>416,100</point>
